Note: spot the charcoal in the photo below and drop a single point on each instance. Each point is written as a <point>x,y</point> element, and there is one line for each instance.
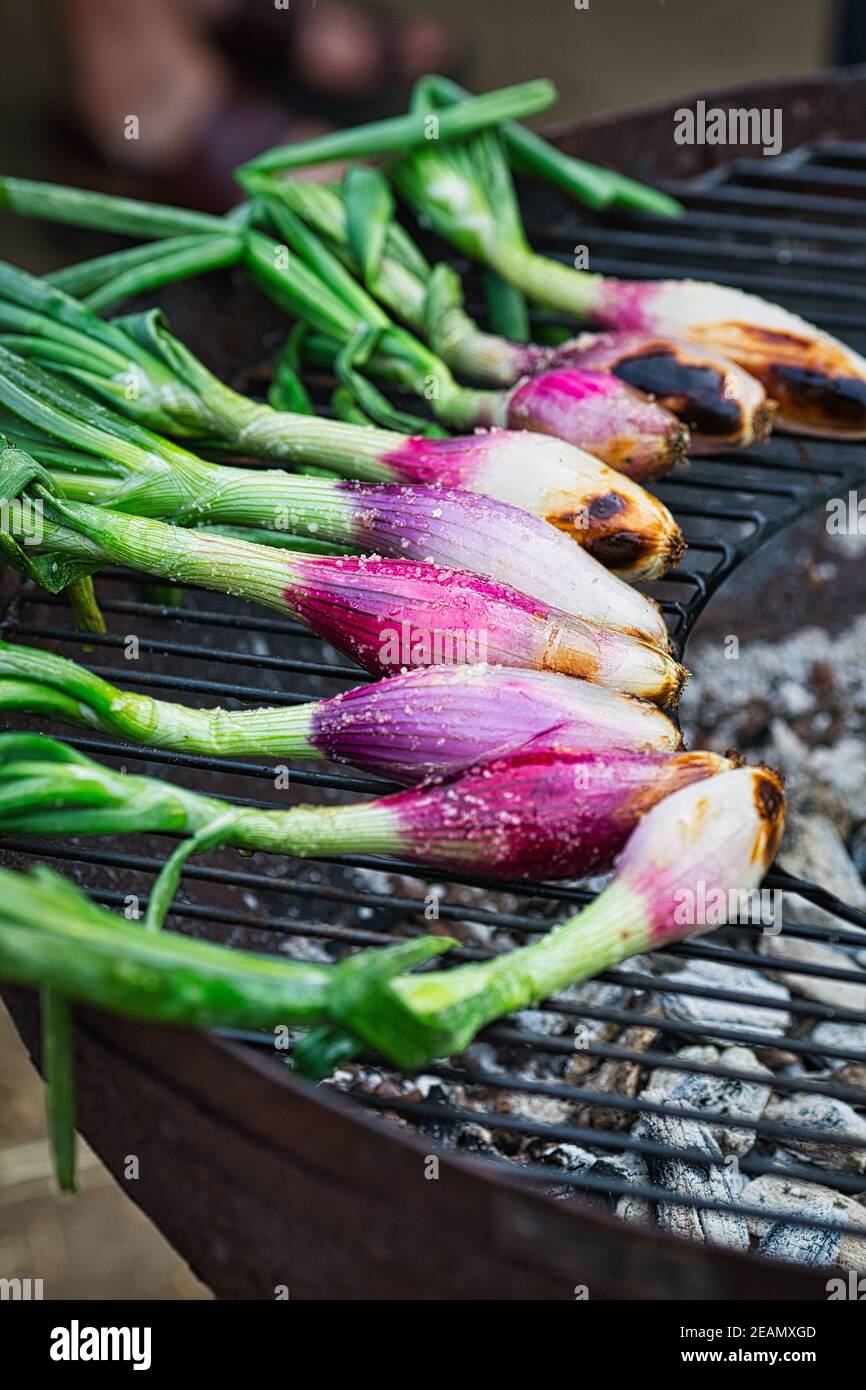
<point>804,1245</point>
<point>621,1077</point>
<point>619,1168</point>
<point>782,1194</point>
<point>840,994</point>
<point>705,1010</point>
<point>718,1095</point>
<point>814,850</point>
<point>597,995</point>
<point>832,1118</point>
<point>684,1179</point>
<point>848,1036</point>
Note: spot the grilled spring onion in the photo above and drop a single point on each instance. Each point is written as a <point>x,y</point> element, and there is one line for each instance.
<point>353,332</point>
<point>425,723</point>
<point>709,843</point>
<point>386,614</point>
<point>818,384</point>
<point>136,470</point>
<point>143,371</point>
<point>720,403</point>
<point>551,812</point>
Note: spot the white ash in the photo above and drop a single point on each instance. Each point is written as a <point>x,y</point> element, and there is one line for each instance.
<point>799,704</point>
<point>831,1119</point>
<point>706,1011</point>
<point>848,1036</point>
<point>719,1095</point>
<point>783,1194</point>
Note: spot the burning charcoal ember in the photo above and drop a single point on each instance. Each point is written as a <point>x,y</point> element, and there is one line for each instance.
<point>833,1118</point>
<point>718,1095</point>
<point>706,1011</point>
<point>778,1194</point>
<point>804,1245</point>
<point>842,994</point>
<point>711,1181</point>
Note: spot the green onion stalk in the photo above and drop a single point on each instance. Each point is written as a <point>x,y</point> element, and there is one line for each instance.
<point>817,383</point>
<point>693,863</point>
<point>96,455</point>
<point>53,937</point>
<point>412,726</point>
<point>536,157</point>
<point>386,614</point>
<point>412,129</point>
<point>352,332</point>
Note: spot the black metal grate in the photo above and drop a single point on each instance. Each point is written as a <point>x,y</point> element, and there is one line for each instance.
<point>793,230</point>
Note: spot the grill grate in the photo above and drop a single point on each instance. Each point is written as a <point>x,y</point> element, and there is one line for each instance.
<point>793,230</point>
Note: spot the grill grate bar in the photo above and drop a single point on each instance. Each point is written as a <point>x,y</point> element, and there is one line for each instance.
<point>619,1143</point>
<point>529,923</point>
<point>616,1100</point>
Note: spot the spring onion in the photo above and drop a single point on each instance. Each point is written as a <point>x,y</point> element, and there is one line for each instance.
<point>425,723</point>
<point>592,410</point>
<point>530,813</point>
<point>386,614</point>
<point>818,383</point>
<point>143,371</point>
<point>355,333</point>
<point>461,530</point>
<point>710,842</point>
<point>719,402</point>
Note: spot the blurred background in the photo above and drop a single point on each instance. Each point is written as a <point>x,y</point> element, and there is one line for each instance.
<point>160,99</point>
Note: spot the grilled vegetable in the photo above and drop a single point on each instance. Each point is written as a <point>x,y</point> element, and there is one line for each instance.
<point>422,724</point>
<point>709,842</point>
<point>144,372</point>
<point>355,332</point>
<point>138,471</point>
<point>817,382</point>
<point>386,614</point>
<point>532,813</point>
<point>719,402</point>
<point>723,406</point>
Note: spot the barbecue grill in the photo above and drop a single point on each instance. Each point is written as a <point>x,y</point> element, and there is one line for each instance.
<point>467,1182</point>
